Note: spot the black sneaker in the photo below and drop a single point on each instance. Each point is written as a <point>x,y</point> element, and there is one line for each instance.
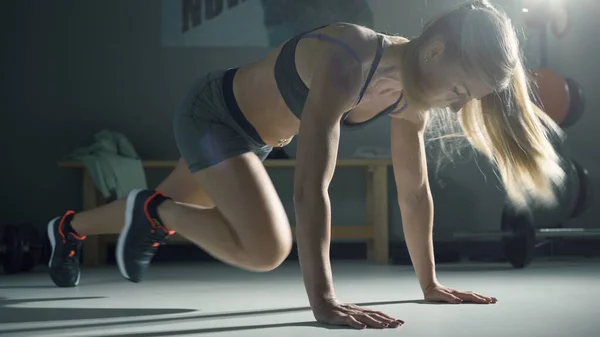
<point>142,234</point>
<point>66,251</point>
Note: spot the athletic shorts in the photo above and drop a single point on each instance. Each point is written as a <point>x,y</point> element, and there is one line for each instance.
<point>209,126</point>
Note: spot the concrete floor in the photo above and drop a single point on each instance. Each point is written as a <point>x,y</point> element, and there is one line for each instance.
<point>549,298</point>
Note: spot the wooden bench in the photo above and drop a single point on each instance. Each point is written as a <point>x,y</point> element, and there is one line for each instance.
<point>375,231</point>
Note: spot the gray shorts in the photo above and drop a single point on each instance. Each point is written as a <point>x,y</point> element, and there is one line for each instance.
<point>209,127</point>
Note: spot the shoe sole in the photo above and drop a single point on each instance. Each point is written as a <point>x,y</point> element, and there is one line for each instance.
<point>52,239</point>
<point>120,253</point>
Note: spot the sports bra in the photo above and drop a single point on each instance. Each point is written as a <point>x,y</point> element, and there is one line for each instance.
<point>295,92</point>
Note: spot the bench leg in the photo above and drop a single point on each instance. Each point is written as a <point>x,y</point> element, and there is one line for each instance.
<point>377,214</point>
<point>92,244</point>
<point>370,212</point>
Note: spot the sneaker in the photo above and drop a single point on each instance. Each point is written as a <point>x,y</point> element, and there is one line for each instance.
<point>142,234</point>
<point>66,250</point>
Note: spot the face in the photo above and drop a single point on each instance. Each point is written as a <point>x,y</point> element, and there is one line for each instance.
<point>446,83</point>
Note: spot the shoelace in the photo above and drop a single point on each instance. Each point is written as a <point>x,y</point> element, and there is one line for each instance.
<point>156,239</point>
<point>71,249</point>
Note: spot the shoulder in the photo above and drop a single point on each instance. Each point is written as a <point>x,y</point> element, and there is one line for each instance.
<point>351,42</point>
<point>340,55</point>
<point>349,32</point>
<point>397,39</point>
<point>412,117</point>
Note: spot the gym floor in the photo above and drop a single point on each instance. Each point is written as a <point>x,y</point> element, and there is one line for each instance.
<point>557,297</point>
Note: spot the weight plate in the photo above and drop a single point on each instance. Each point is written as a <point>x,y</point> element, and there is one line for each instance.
<point>519,247</point>
<point>32,241</point>
<point>12,259</point>
<point>576,103</point>
<point>585,195</point>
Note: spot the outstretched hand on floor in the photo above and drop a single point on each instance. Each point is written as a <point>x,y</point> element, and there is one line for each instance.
<point>335,313</point>
<point>439,293</point>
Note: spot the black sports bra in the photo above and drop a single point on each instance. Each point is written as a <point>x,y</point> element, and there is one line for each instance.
<point>294,91</point>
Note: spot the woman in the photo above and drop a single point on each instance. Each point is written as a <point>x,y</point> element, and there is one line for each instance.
<point>221,198</point>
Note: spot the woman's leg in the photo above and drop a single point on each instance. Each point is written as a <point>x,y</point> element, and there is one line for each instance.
<point>67,233</point>
<point>242,222</point>
<point>180,185</point>
<point>248,228</point>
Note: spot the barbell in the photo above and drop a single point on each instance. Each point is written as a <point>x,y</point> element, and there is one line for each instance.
<point>518,232</point>
<point>519,238</point>
<point>21,247</point>
<point>539,233</point>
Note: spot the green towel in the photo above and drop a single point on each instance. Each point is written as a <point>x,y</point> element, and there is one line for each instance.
<point>113,163</point>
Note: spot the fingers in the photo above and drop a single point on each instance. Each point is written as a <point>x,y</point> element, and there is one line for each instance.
<point>371,320</point>
<point>470,297</point>
<point>447,296</point>
<point>340,318</point>
<point>481,299</point>
<point>379,313</point>
<point>395,323</point>
<point>475,298</point>
<point>353,322</point>
<point>355,317</point>
<point>379,316</point>
<point>391,322</point>
<point>454,296</point>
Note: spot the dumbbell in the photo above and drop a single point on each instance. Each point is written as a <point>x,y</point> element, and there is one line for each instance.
<point>20,247</point>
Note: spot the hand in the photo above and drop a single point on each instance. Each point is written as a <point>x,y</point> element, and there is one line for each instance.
<point>439,293</point>
<point>334,313</point>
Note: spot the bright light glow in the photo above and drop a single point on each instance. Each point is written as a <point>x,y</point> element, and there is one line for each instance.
<point>525,10</point>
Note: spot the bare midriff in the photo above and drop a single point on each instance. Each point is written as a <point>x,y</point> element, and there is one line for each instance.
<point>258,97</point>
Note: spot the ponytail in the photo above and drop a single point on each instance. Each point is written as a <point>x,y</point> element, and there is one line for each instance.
<point>505,125</point>
<point>518,138</point>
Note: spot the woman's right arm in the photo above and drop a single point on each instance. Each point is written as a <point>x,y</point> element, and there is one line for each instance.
<point>333,89</point>
<point>335,86</point>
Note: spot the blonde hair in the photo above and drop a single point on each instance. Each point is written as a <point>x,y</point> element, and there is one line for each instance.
<point>505,126</point>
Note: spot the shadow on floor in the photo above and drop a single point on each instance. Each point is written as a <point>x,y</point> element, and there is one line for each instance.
<point>29,287</point>
<point>475,268</point>
<point>232,329</point>
<point>11,314</point>
<point>50,285</point>
<point>18,313</point>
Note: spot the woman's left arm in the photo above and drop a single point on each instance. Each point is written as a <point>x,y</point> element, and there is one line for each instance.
<point>416,205</point>
<point>414,195</point>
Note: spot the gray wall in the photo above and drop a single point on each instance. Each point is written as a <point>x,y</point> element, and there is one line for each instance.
<point>73,68</point>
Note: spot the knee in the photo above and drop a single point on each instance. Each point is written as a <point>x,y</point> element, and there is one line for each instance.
<point>269,251</point>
